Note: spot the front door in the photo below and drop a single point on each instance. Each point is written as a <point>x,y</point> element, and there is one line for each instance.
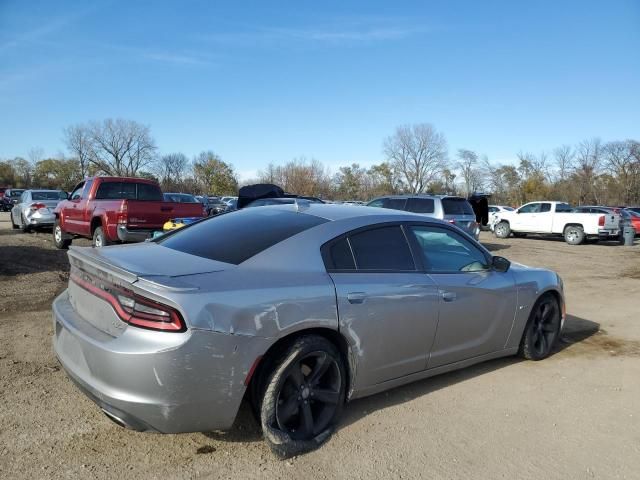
<point>387,308</point>
<point>477,304</point>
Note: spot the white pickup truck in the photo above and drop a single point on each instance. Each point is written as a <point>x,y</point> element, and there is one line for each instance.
<point>556,218</point>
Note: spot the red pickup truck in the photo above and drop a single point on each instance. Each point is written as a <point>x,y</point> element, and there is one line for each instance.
<point>116,209</point>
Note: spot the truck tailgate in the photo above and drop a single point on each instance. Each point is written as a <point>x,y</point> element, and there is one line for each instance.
<point>152,215</point>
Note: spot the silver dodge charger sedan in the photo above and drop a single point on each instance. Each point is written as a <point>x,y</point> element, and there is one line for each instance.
<point>297,308</point>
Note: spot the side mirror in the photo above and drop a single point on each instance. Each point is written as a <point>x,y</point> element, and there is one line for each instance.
<point>500,264</point>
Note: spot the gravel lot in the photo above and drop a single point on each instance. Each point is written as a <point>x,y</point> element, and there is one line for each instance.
<point>574,415</point>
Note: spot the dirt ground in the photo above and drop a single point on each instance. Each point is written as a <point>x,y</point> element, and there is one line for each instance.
<point>575,415</point>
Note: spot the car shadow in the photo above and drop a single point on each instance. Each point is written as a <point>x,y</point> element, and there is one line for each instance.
<point>494,247</point>
<point>25,259</point>
<point>247,429</point>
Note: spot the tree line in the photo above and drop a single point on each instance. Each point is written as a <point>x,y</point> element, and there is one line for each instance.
<point>416,160</point>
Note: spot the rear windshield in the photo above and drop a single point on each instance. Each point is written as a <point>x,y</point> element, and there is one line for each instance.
<point>128,191</point>
<point>456,206</point>
<point>48,195</point>
<point>238,236</point>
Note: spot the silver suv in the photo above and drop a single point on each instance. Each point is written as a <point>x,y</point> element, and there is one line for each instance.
<point>455,210</point>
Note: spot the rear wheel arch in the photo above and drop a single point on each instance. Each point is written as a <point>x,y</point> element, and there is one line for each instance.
<point>267,361</point>
<point>95,223</point>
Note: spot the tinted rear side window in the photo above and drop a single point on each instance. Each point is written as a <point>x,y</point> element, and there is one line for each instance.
<point>383,248</point>
<point>456,206</point>
<point>116,191</point>
<point>420,205</point>
<point>563,207</point>
<point>340,256</point>
<point>394,203</point>
<point>236,237</point>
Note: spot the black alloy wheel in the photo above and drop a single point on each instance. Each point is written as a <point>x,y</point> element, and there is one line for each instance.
<point>309,396</point>
<point>543,329</point>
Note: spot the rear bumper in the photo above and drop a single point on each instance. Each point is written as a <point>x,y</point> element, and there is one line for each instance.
<point>38,219</point>
<point>602,233</point>
<point>132,236</point>
<point>156,381</point>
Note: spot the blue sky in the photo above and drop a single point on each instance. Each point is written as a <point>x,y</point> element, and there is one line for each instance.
<point>262,82</point>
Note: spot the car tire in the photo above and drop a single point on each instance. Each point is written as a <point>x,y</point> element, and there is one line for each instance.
<point>304,395</point>
<point>24,225</point>
<point>502,230</point>
<point>13,225</point>
<point>99,238</point>
<point>60,239</point>
<point>573,235</point>
<point>542,330</point>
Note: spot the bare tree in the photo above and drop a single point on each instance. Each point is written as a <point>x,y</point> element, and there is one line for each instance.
<point>586,169</point>
<point>418,153</point>
<point>35,155</point>
<point>172,169</point>
<point>467,165</point>
<point>563,158</point>
<point>78,142</point>
<point>120,147</point>
<point>621,161</point>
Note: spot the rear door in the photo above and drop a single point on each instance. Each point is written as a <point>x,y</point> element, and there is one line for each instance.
<point>384,301</point>
<point>477,304</point>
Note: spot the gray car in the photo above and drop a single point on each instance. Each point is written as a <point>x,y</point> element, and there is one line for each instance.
<point>298,308</point>
<point>452,209</point>
<point>35,209</point>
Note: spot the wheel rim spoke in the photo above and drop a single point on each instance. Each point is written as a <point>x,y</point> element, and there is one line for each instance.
<point>307,419</point>
<point>322,365</point>
<point>296,375</point>
<point>325,396</point>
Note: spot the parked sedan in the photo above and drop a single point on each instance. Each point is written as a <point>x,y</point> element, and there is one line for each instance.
<point>35,209</point>
<point>300,308</point>
<point>10,198</point>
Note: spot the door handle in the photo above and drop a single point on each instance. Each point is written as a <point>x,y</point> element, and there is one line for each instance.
<point>448,296</point>
<point>356,297</point>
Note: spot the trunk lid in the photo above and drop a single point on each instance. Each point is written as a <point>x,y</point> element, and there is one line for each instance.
<point>154,214</point>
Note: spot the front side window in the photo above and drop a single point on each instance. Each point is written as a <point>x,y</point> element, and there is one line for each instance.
<point>444,251</point>
<point>77,193</point>
<point>530,208</point>
<point>383,248</point>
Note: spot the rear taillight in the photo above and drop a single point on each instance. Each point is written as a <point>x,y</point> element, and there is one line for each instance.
<point>132,308</point>
<point>601,221</point>
<point>37,206</point>
<point>121,215</point>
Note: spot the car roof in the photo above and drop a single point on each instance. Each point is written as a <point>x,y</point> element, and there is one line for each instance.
<point>420,195</point>
<point>331,212</point>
